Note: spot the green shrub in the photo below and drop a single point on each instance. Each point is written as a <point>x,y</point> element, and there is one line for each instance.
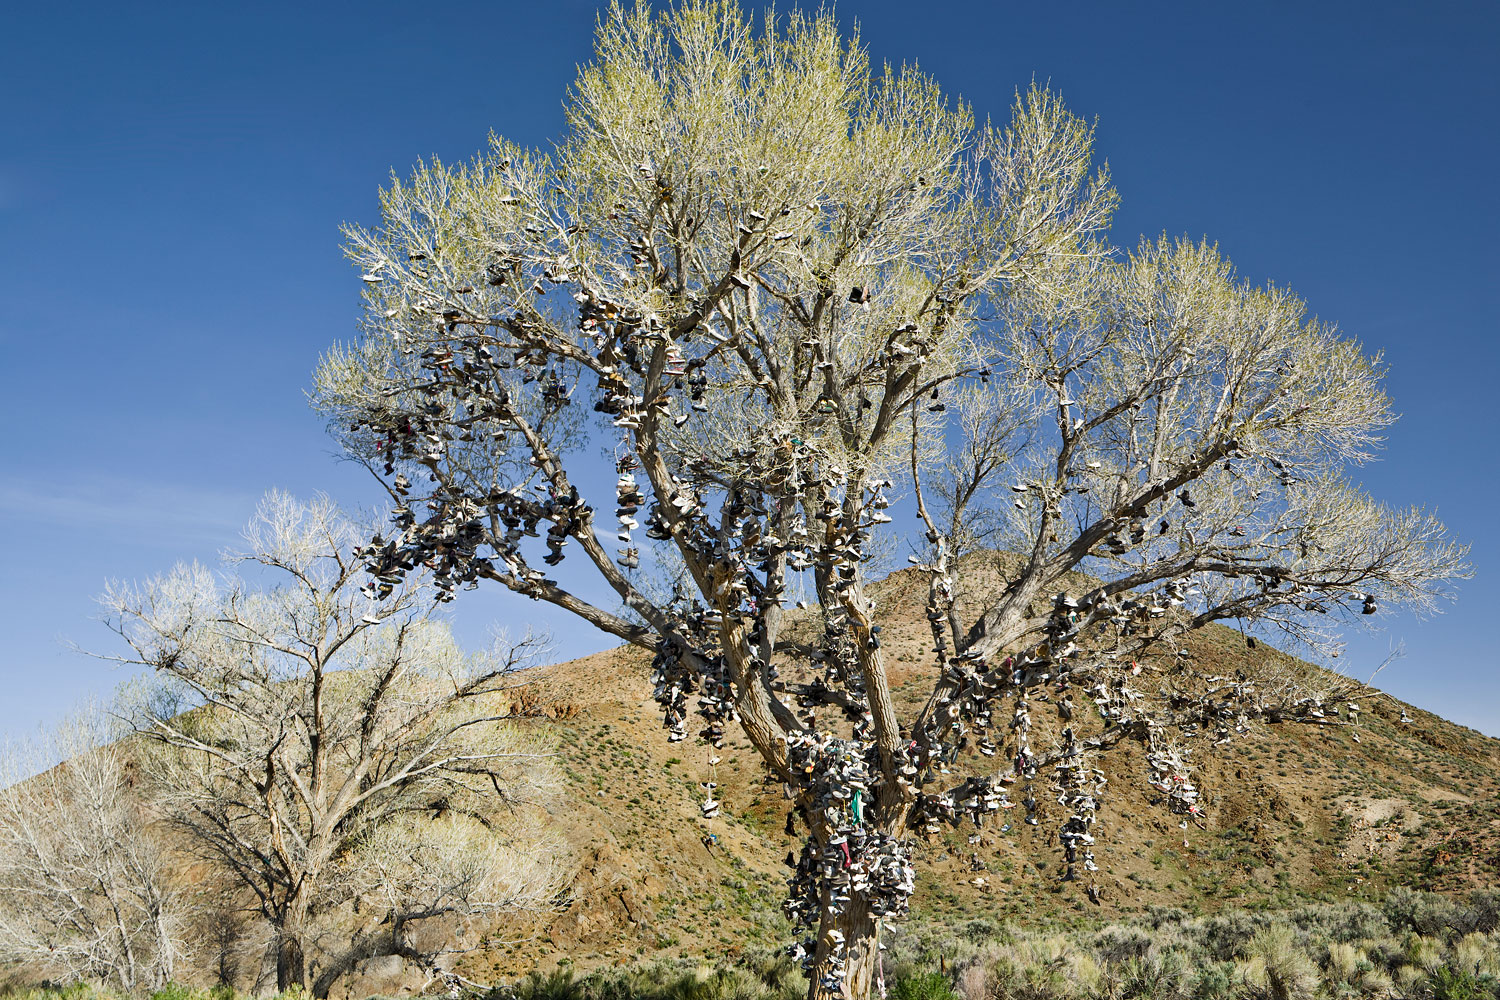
<point>555,985</point>
<point>1214,981</point>
<point>1343,923</point>
<point>1228,935</point>
<point>173,991</point>
<point>1449,983</point>
<point>923,986</point>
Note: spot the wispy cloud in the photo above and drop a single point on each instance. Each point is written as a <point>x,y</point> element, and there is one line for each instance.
<point>137,511</point>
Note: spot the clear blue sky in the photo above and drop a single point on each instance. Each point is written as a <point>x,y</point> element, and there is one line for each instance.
<point>172,179</point>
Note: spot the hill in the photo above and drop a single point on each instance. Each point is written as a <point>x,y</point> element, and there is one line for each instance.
<point>1294,813</point>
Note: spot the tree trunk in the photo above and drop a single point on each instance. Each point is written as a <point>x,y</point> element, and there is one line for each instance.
<point>291,958</point>
<point>861,936</point>
<point>292,931</point>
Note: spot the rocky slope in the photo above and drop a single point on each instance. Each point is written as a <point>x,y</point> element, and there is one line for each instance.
<point>1293,813</point>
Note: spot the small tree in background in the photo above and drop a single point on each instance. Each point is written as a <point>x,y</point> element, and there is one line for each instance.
<point>789,295</point>
<point>323,748</point>
<point>83,892</point>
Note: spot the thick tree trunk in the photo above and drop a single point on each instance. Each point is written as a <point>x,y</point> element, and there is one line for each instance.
<point>292,932</point>
<point>291,957</point>
<point>861,937</point>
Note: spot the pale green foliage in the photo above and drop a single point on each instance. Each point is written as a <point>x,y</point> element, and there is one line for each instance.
<point>1278,968</point>
<point>325,748</point>
<point>83,878</point>
<point>1338,952</point>
<point>1143,958</point>
<point>865,180</point>
<point>690,124</point>
<point>784,278</point>
<point>419,864</point>
<point>1165,358</point>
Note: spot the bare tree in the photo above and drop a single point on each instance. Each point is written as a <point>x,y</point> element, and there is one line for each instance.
<point>83,894</point>
<point>425,867</point>
<point>798,295</point>
<point>298,722</point>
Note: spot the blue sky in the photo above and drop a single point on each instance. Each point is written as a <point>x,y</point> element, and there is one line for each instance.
<point>172,179</point>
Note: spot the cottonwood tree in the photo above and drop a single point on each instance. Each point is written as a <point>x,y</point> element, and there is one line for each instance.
<point>297,722</point>
<point>83,886</point>
<point>790,295</point>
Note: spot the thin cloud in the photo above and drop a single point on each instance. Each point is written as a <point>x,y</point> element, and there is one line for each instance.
<point>142,512</point>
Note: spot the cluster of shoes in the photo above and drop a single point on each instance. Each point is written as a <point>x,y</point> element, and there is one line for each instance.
<point>1136,529</point>
<point>834,774</point>
<point>939,601</point>
<point>447,542</point>
<point>634,339</point>
<point>697,385</point>
<point>683,502</point>
<point>835,778</point>
<point>841,683</point>
<point>466,371</point>
<point>671,682</point>
<point>975,799</point>
<point>676,673</point>
<point>447,545</point>
<point>625,337</point>
<point>853,862</point>
<point>1080,789</point>
<point>628,499</point>
<point>568,514</point>
<point>617,400</point>
<point>970,687</point>
<point>970,690</point>
<point>555,395</point>
<point>401,436</point>
<point>1170,776</point>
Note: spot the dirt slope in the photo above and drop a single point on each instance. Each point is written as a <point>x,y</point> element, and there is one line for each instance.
<point>1293,813</point>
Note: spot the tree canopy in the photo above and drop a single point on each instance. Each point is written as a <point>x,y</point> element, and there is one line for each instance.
<point>323,750</point>
<point>790,294</point>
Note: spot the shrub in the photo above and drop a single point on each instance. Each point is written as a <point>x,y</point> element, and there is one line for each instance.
<point>1285,970</point>
<point>1228,935</point>
<point>1346,964</point>
<point>1411,980</point>
<point>923,986</point>
<point>1345,922</point>
<point>173,991</point>
<point>1449,983</point>
<point>1345,951</point>
<point>1484,911</point>
<point>979,930</point>
<point>1162,916</point>
<point>1214,981</point>
<point>1118,942</point>
<point>1425,953</point>
<point>555,985</point>
<point>974,982</point>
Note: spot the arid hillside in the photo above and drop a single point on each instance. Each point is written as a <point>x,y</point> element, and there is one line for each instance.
<point>1387,795</point>
<point>1293,813</point>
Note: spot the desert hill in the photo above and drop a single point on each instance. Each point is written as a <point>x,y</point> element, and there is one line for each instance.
<point>1294,813</point>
